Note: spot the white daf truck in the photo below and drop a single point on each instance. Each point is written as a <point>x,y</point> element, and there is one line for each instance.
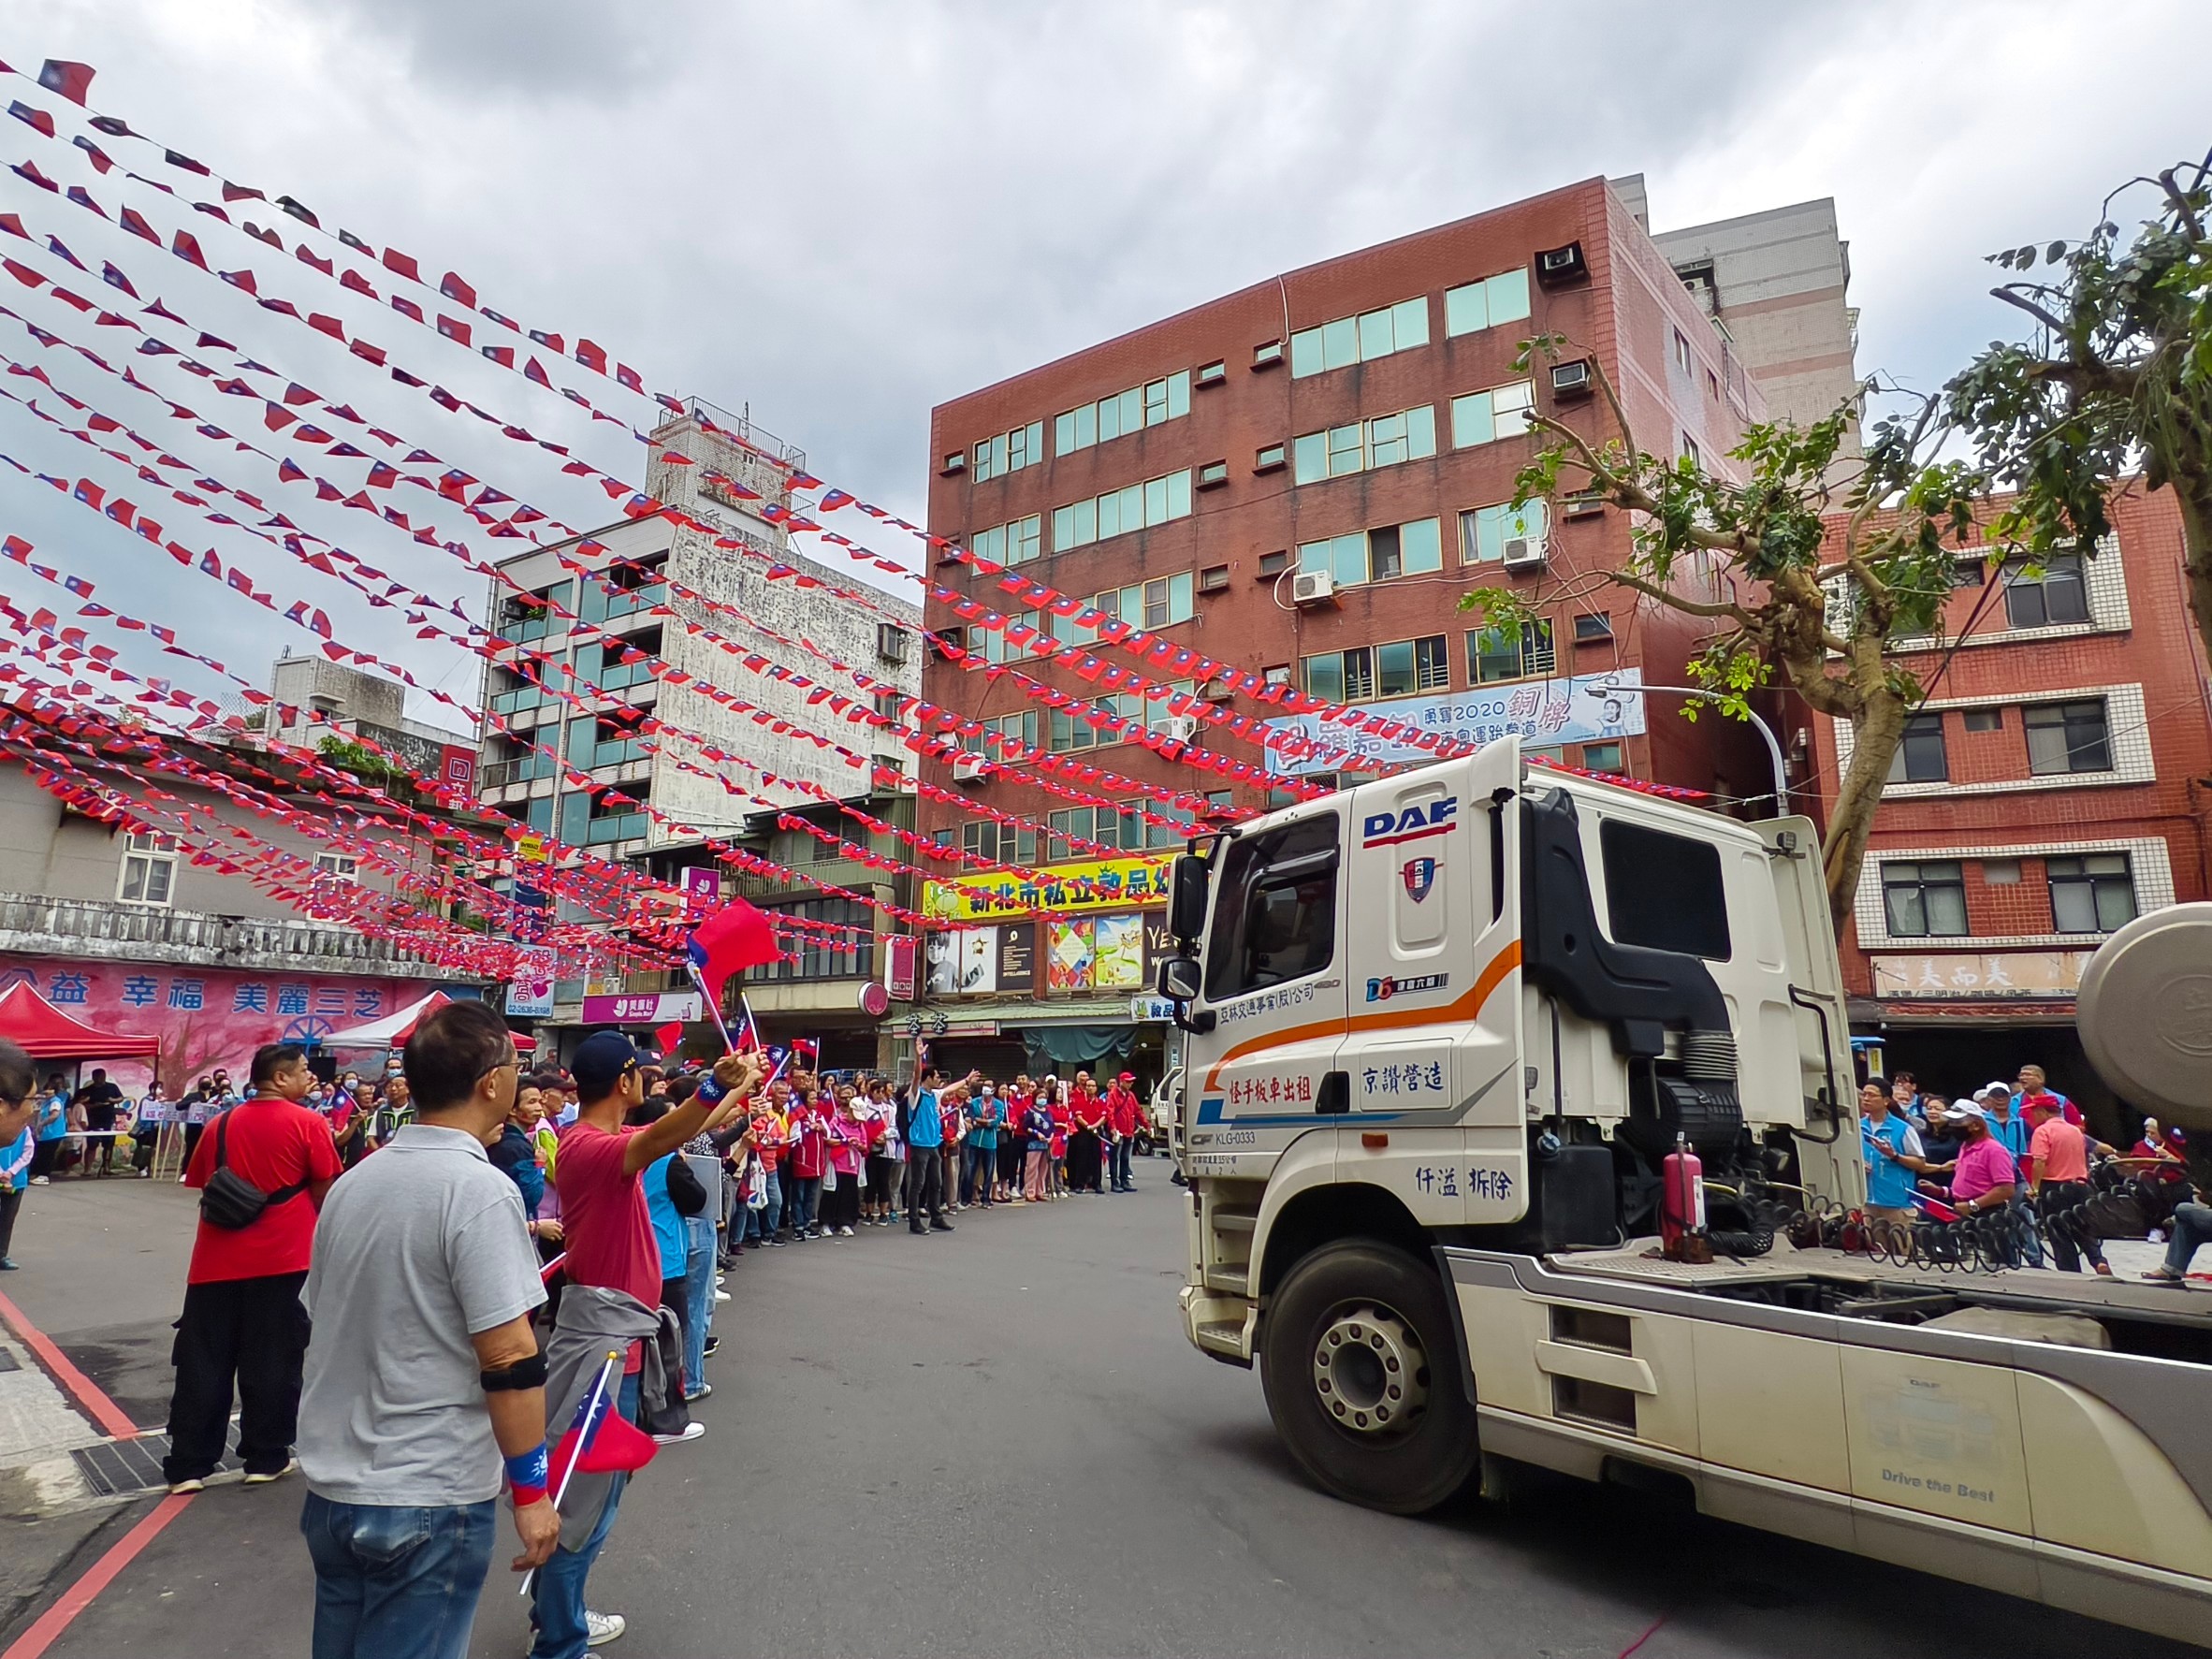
<point>1443,1030</point>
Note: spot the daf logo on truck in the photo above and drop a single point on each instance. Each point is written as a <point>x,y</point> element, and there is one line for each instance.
<point>1415,823</point>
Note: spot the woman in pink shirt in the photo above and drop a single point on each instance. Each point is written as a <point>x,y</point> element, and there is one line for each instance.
<point>848,1138</point>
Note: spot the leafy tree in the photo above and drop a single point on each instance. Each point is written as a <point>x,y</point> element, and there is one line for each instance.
<point>2114,375</point>
<point>1795,575</point>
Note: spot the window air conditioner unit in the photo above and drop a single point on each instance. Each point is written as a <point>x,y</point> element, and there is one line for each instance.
<point>1562,268</point>
<point>891,642</point>
<point>1524,552</point>
<point>1181,728</point>
<point>970,768</point>
<point>1573,379</point>
<point>1313,587</point>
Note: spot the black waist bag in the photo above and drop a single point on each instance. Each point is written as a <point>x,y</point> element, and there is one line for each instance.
<point>230,1201</point>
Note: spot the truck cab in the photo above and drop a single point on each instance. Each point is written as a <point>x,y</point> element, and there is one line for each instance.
<point>1449,1031</point>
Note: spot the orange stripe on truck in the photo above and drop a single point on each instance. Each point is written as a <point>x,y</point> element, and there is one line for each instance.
<point>1467,1006</point>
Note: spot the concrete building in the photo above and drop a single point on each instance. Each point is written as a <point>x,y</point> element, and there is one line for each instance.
<point>1351,430</point>
<point>2052,788</point>
<point>125,931</point>
<point>1777,282</point>
<point>351,700</point>
<point>782,776</point>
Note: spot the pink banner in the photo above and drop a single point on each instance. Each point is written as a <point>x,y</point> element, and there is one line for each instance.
<point>205,1017</point>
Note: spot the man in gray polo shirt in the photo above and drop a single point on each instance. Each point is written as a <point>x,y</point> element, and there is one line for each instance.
<point>423,1374</point>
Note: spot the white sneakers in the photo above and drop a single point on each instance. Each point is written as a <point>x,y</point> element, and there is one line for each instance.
<point>179,1488</point>
<point>264,1479</point>
<point>692,1429</point>
<point>603,1628</point>
<point>844,1233</point>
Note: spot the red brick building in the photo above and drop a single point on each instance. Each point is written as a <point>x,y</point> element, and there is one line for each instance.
<point>1360,421</point>
<point>2052,787</point>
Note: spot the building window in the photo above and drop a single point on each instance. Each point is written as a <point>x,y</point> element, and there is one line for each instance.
<point>1387,439</point>
<point>1985,720</point>
<point>1593,628</point>
<point>2058,594</point>
<point>149,869</point>
<point>1598,757</point>
<point>1920,757</point>
<point>337,865</point>
<point>1485,416</point>
<point>812,955</point>
<point>1009,452</point>
<point>1397,669</point>
<point>1485,530</point>
<point>1267,460</point>
<point>2067,738</point>
<point>1275,563</point>
<point>998,843</point>
<point>1122,829</point>
<point>2090,893</point>
<point>1156,500</point>
<point>1362,339</point>
<point>1924,899</point>
<point>1141,406</point>
<point>1011,543</point>
<point>1501,653</point>
<point>1020,728</point>
<point>1161,603</point>
<point>1691,452</point>
<point>1213,373</point>
<point>1682,351</point>
<point>1486,304</point>
<point>1376,555</point>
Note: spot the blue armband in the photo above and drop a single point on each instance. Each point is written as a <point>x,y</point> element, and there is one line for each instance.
<point>710,1092</point>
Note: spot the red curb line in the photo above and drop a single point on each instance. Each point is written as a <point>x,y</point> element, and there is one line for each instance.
<point>90,1396</point>
<point>102,1573</point>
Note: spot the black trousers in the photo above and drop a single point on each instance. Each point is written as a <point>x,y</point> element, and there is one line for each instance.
<point>2054,1199</point>
<point>253,1331</point>
<point>43,1153</point>
<point>926,1186</point>
<point>11,1200</point>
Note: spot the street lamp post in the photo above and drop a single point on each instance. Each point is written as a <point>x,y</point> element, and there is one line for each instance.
<point>1782,782</point>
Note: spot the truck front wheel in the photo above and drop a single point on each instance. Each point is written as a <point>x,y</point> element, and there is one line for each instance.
<point>1361,1372</point>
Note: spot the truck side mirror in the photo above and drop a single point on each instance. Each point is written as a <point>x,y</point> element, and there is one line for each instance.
<point>1187,899</point>
<point>1178,979</point>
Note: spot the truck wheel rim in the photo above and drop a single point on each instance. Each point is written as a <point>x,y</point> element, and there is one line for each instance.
<point>1370,1372</point>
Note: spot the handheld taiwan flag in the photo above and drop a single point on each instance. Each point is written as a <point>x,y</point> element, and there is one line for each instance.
<point>735,938</point>
<point>599,1440</point>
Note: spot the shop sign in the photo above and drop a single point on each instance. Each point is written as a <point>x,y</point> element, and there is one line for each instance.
<point>1151,1011</point>
<point>643,1008</point>
<point>529,993</point>
<point>1017,956</point>
<point>1583,708</point>
<point>899,961</point>
<point>2014,973</point>
<point>1093,885</point>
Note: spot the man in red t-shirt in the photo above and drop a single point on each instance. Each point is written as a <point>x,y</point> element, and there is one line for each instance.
<point>243,1320</point>
<point>1121,1117</point>
<point>609,1235</point>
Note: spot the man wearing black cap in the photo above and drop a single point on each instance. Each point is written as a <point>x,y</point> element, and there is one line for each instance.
<point>609,1235</point>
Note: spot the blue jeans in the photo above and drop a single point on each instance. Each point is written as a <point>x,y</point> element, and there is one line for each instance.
<point>392,1579</point>
<point>1123,1148</point>
<point>979,1164</point>
<point>761,1223</point>
<point>698,1298</point>
<point>805,1192</point>
<point>557,1593</point>
<point>2190,1228</point>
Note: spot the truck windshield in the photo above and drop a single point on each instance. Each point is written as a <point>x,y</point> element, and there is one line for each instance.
<point>1275,918</point>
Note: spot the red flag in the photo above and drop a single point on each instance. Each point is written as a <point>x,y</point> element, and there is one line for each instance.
<point>734,939</point>
<point>71,81</point>
<point>599,1440</point>
<point>670,1037</point>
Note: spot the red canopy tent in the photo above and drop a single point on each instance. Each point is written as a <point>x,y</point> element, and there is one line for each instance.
<point>46,1033</point>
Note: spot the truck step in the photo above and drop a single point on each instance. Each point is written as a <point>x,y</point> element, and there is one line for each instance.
<point>1223,1336</point>
<point>1233,1221</point>
<point>1236,1281</point>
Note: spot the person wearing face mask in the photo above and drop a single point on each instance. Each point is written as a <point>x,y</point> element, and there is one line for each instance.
<point>980,1158</point>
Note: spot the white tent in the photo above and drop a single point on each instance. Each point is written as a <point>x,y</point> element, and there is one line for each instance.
<point>394,1030</point>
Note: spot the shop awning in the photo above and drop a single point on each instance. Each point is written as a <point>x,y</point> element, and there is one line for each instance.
<point>46,1033</point>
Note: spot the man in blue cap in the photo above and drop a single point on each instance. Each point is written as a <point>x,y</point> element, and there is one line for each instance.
<point>609,1235</point>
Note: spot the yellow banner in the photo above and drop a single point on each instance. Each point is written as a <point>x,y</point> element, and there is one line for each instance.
<point>1096,884</point>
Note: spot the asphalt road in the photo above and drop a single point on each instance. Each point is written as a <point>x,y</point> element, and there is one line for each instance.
<point>998,1442</point>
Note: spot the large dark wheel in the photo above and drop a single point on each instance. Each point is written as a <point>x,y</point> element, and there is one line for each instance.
<point>1362,1378</point>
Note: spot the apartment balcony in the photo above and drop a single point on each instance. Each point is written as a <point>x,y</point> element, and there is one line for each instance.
<point>37,926</point>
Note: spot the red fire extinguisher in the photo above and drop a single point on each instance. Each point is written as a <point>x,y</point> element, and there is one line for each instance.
<point>1681,1201</point>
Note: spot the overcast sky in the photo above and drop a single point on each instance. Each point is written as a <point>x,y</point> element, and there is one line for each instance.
<point>839,213</point>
